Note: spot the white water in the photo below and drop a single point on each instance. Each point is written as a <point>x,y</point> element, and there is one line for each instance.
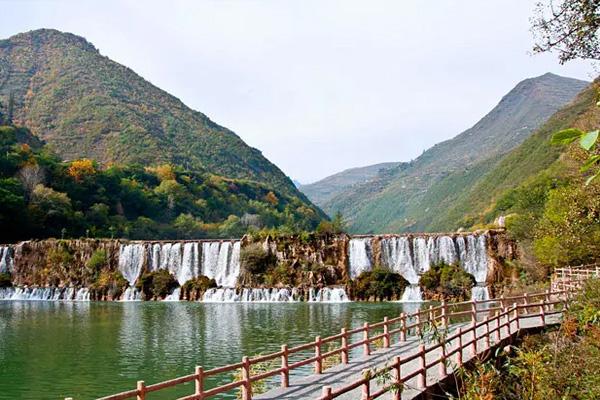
<point>480,293</point>
<point>359,256</point>
<point>6,259</point>
<point>131,261</point>
<point>44,294</point>
<point>328,295</point>
<point>395,254</point>
<point>221,262</point>
<point>474,257</point>
<point>174,296</point>
<point>131,294</point>
<point>412,294</point>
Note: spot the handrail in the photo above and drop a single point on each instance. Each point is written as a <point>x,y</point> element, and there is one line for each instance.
<point>401,326</point>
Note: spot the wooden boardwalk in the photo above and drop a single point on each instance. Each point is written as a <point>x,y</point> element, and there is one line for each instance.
<point>311,387</point>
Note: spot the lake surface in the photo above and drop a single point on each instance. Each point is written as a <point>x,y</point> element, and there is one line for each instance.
<point>50,350</point>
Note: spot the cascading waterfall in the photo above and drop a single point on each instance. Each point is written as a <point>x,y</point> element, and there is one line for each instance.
<point>6,259</point>
<point>413,256</point>
<point>359,254</point>
<point>328,295</point>
<point>44,294</point>
<point>131,262</point>
<point>221,262</point>
<point>412,294</point>
<point>174,296</point>
<point>249,295</point>
<point>480,293</point>
<point>395,253</point>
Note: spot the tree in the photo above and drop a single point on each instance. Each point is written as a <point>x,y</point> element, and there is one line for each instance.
<point>30,176</point>
<point>79,169</point>
<point>569,27</point>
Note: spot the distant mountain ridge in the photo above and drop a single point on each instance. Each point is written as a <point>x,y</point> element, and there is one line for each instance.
<point>322,191</point>
<point>411,197</point>
<point>85,105</point>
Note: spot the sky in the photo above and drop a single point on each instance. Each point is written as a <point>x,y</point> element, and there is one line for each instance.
<point>317,86</point>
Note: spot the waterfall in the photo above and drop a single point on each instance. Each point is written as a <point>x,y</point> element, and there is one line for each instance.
<point>131,261</point>
<point>249,295</point>
<point>412,294</point>
<point>174,296</point>
<point>131,294</point>
<point>474,259</point>
<point>328,295</point>
<point>83,294</point>
<point>359,256</point>
<point>44,294</point>
<point>221,262</point>
<point>395,254</point>
<point>446,250</point>
<point>480,293</point>
<point>6,259</point>
<point>421,255</point>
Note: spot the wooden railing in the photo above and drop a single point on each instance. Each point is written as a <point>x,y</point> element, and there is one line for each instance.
<point>380,334</point>
<point>452,348</point>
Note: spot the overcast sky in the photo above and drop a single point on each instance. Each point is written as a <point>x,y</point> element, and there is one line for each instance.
<point>317,86</point>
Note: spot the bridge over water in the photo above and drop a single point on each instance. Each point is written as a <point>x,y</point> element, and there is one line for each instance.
<point>399,358</point>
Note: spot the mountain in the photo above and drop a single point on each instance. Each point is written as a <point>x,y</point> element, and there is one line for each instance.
<point>85,105</point>
<point>415,196</point>
<point>322,191</point>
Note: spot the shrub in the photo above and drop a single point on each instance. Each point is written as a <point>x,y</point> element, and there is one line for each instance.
<point>449,281</point>
<point>380,284</point>
<point>5,280</point>
<point>157,284</point>
<point>255,260</point>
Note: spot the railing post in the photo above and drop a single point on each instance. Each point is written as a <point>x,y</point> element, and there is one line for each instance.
<point>402,327</point>
<point>366,348</point>
<point>442,367</point>
<point>318,362</point>
<point>386,333</point>
<point>487,333</point>
<point>247,385</point>
<point>398,377</point>
<point>422,377</point>
<point>199,383</point>
<point>517,317</point>
<point>543,315</point>
<point>444,314</point>
<point>418,322</point>
<point>344,346</point>
<point>502,304</point>
<point>473,311</point>
<point>474,343</point>
<point>285,373</point>
<point>460,347</point>
<point>497,335</point>
<point>141,390</point>
<point>526,299</point>
<point>431,318</point>
<point>366,388</point>
<point>326,393</point>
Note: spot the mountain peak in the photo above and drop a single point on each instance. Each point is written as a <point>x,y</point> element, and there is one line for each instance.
<point>48,36</point>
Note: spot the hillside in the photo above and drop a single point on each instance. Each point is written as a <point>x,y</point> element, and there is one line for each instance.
<point>410,197</point>
<point>322,191</point>
<point>85,105</point>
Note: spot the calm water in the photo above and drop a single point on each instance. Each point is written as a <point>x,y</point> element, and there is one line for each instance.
<point>49,350</point>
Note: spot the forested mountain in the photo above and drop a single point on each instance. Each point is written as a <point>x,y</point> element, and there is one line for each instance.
<point>417,196</point>
<point>85,105</point>
<point>322,191</point>
<point>91,148</point>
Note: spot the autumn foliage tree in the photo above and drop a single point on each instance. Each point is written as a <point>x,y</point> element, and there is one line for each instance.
<point>79,169</point>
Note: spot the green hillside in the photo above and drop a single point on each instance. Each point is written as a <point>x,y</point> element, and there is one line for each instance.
<point>41,196</point>
<point>416,196</point>
<point>85,105</point>
<point>324,190</point>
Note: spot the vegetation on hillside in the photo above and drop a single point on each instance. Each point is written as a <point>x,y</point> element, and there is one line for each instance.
<point>560,364</point>
<point>42,196</point>
<point>87,106</point>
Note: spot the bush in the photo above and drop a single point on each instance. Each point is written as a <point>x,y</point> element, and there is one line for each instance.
<point>447,281</point>
<point>98,260</point>
<point>378,284</point>
<point>255,260</point>
<point>157,284</point>
<point>5,280</point>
